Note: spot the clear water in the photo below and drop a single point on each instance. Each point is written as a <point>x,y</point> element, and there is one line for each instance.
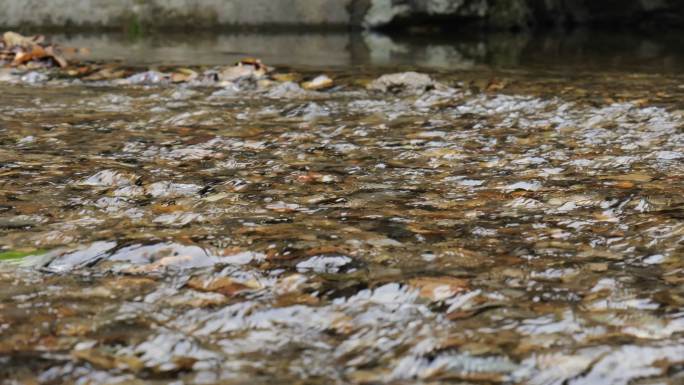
<point>519,224</point>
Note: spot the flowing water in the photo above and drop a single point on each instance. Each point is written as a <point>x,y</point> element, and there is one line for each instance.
<point>511,225</point>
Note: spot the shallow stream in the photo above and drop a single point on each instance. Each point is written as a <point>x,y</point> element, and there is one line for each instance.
<point>499,226</point>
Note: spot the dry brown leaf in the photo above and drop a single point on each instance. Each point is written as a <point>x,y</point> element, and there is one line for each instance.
<point>246,68</point>
<point>53,53</point>
<point>291,299</point>
<point>285,77</point>
<point>106,361</point>
<point>633,177</point>
<point>106,74</point>
<point>183,75</point>
<point>13,39</point>
<point>224,285</point>
<point>438,288</point>
<point>318,83</point>
<point>30,49</point>
<point>36,53</point>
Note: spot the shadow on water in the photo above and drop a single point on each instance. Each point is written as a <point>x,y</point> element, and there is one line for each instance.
<point>582,50</point>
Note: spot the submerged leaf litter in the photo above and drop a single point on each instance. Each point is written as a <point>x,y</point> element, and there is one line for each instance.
<point>245,225</point>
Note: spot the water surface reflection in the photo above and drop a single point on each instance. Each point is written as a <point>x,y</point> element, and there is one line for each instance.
<point>571,51</point>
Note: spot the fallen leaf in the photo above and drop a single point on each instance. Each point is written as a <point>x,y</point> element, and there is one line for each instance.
<point>318,83</point>
<point>633,177</point>
<point>106,74</point>
<point>14,39</point>
<point>183,75</point>
<point>438,288</point>
<point>224,285</point>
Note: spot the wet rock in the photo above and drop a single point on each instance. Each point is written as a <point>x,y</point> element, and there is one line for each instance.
<point>82,257</point>
<point>21,221</point>
<point>192,298</point>
<point>669,155</point>
<point>169,352</point>
<point>230,90</point>
<point>458,366</point>
<point>108,178</point>
<point>178,219</point>
<point>149,77</point>
<point>288,90</point>
<point>655,259</point>
<point>34,77</point>
<point>243,258</point>
<point>184,94</point>
<point>500,14</point>
<point>404,82</point>
<point>324,264</point>
<point>629,362</point>
<point>129,191</point>
<point>310,111</point>
<point>283,207</point>
<point>527,186</point>
<point>146,254</point>
<point>171,190</point>
<point>247,70</point>
<point>515,13</point>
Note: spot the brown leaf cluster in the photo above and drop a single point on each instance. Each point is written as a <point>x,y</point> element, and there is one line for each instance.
<point>17,50</point>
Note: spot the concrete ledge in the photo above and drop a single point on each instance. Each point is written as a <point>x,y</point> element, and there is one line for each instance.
<point>199,14</point>
<point>326,14</point>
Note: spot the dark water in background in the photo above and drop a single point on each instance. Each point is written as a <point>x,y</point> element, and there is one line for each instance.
<point>572,51</point>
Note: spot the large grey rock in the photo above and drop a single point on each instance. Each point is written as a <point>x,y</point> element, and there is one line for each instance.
<point>507,14</point>
<point>382,12</point>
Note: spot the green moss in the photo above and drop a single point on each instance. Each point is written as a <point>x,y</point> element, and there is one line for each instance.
<point>510,14</point>
<point>134,28</point>
<point>15,254</point>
